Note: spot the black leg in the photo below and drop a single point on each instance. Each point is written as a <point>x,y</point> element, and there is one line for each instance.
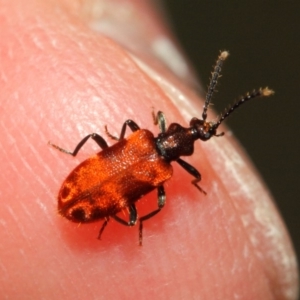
<point>190,169</point>
<point>132,217</point>
<point>131,124</point>
<point>131,222</point>
<point>103,227</point>
<point>161,201</point>
<point>160,119</point>
<point>96,137</point>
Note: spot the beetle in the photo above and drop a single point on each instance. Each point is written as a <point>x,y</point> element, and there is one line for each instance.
<point>114,179</point>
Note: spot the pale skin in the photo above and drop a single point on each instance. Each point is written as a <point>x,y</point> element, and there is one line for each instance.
<point>61,80</point>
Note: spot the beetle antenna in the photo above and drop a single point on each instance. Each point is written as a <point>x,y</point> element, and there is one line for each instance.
<point>254,94</point>
<point>213,82</point>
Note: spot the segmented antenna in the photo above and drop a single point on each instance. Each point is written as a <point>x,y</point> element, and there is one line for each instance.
<point>213,82</point>
<point>254,94</point>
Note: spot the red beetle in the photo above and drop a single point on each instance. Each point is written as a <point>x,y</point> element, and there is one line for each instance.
<point>119,175</point>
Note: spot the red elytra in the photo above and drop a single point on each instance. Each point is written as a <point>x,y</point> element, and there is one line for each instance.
<point>118,176</point>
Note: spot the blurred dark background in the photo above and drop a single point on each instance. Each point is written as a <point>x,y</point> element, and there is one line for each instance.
<point>263,38</point>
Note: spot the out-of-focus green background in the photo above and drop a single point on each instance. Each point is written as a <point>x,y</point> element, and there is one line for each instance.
<point>263,38</point>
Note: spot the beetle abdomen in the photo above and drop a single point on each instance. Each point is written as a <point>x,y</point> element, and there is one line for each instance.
<point>108,182</point>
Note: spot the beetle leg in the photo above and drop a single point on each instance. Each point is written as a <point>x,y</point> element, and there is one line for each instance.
<point>160,119</point>
<point>109,134</point>
<point>96,137</point>
<point>131,124</point>
<point>190,169</point>
<point>132,217</point>
<point>103,227</point>
<point>161,201</point>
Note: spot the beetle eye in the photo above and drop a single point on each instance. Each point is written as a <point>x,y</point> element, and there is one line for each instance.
<point>78,214</point>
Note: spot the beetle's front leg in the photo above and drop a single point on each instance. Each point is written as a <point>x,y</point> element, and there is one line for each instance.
<point>160,120</point>
<point>194,172</point>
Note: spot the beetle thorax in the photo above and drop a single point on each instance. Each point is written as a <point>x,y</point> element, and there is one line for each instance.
<point>175,142</point>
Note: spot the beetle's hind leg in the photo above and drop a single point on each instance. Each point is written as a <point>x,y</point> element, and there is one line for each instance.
<point>132,217</point>
<point>103,227</point>
<point>131,222</point>
<point>96,137</point>
<point>131,124</point>
<point>161,201</point>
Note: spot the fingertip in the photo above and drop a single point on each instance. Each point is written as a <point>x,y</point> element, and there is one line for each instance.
<point>73,81</point>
